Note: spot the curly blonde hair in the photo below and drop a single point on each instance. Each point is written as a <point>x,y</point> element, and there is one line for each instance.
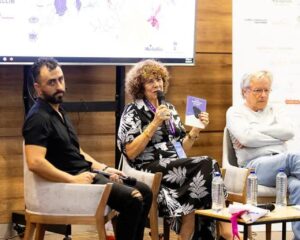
<point>140,73</point>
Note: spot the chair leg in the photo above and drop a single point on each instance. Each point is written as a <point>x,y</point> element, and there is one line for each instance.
<point>40,232</point>
<point>29,230</point>
<point>166,229</point>
<point>100,225</point>
<point>154,224</point>
<point>268,231</point>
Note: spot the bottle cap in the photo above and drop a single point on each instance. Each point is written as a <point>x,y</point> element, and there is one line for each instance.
<point>252,170</point>
<point>281,170</point>
<point>217,174</point>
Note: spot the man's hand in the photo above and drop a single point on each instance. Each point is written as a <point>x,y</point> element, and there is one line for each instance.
<point>236,144</point>
<point>83,178</point>
<point>115,174</point>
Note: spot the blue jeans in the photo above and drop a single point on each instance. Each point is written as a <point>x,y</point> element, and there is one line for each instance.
<point>266,169</point>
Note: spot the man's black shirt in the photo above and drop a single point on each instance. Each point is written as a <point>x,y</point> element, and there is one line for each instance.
<point>44,127</point>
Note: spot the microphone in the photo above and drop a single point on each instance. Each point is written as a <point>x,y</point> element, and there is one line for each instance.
<point>131,181</point>
<point>268,206</point>
<point>161,97</point>
<point>161,100</point>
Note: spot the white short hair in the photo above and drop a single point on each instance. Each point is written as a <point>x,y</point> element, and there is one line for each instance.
<point>247,78</point>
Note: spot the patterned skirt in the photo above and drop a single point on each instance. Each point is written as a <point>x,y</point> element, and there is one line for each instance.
<point>185,186</point>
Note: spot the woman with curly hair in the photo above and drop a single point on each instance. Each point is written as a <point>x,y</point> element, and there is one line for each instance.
<point>152,138</point>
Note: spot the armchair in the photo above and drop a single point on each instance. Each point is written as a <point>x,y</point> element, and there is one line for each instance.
<point>235,180</point>
<point>229,162</point>
<point>237,191</point>
<point>62,203</point>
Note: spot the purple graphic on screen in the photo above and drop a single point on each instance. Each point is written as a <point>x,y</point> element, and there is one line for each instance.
<point>33,36</point>
<point>78,5</point>
<point>153,19</point>
<point>60,6</point>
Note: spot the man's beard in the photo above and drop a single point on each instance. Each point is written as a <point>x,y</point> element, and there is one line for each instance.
<point>55,98</point>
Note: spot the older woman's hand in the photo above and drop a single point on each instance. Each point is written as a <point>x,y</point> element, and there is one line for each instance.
<point>204,118</point>
<point>162,113</point>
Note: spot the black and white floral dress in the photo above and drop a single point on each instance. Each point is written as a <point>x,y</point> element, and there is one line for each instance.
<point>186,183</point>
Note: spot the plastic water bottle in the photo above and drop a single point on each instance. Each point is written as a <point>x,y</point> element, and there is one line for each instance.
<point>217,189</point>
<point>281,188</point>
<point>252,188</point>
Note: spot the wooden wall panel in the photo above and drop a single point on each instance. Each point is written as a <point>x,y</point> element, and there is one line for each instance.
<point>210,78</point>
<point>11,104</point>
<point>94,123</point>
<point>213,26</point>
<point>208,144</point>
<point>11,176</point>
<point>101,147</point>
<point>90,83</point>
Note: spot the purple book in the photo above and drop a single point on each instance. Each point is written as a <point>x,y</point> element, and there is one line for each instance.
<point>194,106</point>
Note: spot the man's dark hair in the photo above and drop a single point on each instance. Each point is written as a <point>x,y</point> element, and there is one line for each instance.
<point>50,63</point>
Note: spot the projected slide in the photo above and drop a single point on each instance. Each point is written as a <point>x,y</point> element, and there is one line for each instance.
<point>97,29</point>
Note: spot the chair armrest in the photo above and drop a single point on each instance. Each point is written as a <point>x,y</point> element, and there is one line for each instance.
<point>235,181</point>
<point>151,179</point>
<point>141,176</point>
<point>64,198</point>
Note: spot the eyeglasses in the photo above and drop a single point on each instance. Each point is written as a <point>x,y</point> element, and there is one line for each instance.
<point>259,91</point>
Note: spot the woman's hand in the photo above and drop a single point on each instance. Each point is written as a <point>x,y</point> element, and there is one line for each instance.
<point>162,114</point>
<point>194,133</point>
<point>204,118</point>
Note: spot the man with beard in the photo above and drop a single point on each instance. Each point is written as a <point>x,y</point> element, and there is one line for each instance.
<point>53,152</point>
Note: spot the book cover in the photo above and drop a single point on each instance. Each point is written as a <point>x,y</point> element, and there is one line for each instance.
<point>194,106</point>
